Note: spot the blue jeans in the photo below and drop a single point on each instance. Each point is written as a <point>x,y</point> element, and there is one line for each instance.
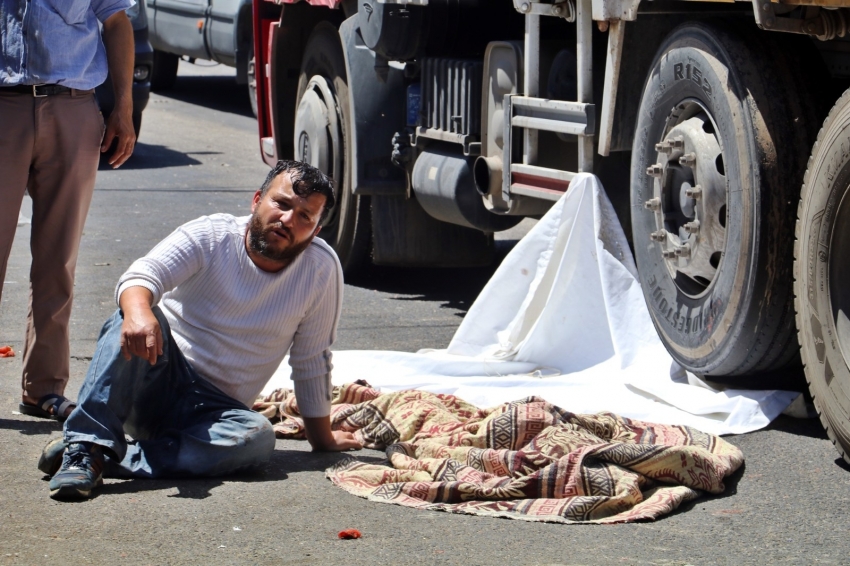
<point>181,424</point>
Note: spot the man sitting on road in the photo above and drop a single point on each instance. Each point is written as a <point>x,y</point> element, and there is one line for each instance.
<point>233,295</point>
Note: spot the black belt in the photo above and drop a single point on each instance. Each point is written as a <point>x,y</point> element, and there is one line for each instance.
<point>39,91</point>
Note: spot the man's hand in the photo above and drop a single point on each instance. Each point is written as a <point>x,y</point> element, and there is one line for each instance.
<point>119,126</point>
<point>323,439</point>
<point>120,55</point>
<point>140,333</point>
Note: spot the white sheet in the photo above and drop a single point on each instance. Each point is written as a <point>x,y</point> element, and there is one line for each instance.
<point>564,318</point>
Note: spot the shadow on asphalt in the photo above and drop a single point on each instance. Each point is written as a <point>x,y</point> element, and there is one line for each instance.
<point>456,288</point>
<point>147,156</point>
<point>216,92</point>
<point>296,461</point>
<point>186,489</point>
<point>810,428</point>
<point>31,428</point>
<point>791,378</point>
<point>282,463</point>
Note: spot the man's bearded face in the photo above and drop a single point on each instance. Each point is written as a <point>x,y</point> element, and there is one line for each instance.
<point>262,240</point>
<point>283,223</point>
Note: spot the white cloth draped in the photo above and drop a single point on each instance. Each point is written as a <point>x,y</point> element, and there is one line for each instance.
<point>564,318</point>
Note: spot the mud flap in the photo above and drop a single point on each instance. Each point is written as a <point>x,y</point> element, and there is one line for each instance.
<point>403,233</point>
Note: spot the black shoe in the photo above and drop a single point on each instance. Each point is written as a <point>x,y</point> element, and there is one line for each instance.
<point>51,456</point>
<point>81,471</point>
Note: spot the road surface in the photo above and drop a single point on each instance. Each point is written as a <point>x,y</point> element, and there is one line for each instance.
<point>198,154</point>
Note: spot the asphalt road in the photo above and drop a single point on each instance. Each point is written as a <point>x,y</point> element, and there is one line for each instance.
<point>198,154</point>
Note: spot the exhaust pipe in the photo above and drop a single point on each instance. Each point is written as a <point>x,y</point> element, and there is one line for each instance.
<point>444,186</point>
<point>487,172</point>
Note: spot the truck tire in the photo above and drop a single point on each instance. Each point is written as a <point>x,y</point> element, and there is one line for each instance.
<point>164,70</point>
<point>322,134</point>
<point>822,275</point>
<point>717,162</point>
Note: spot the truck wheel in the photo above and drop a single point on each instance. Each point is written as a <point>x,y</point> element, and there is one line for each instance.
<point>717,161</point>
<point>322,134</point>
<point>164,70</point>
<point>822,275</point>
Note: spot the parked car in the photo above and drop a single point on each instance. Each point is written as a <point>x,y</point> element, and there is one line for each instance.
<point>214,30</point>
<point>141,70</point>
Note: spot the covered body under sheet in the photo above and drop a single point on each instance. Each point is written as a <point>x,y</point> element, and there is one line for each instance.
<point>564,319</point>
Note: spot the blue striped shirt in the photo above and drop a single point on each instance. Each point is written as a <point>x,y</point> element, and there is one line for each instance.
<point>54,41</point>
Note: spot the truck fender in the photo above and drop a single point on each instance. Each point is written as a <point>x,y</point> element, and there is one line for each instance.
<point>377,99</point>
<point>283,51</point>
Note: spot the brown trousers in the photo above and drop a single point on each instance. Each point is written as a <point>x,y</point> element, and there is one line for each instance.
<point>49,146</point>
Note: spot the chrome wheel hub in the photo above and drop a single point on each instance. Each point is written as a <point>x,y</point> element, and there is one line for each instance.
<point>689,199</point>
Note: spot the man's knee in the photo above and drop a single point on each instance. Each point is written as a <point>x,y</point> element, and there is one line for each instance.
<point>256,439</point>
<point>260,434</point>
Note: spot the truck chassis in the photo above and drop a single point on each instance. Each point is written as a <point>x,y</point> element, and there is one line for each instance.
<point>444,121</point>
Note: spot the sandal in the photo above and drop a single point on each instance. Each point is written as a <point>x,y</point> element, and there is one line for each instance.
<point>51,406</point>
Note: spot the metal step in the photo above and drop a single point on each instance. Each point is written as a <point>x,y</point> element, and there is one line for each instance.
<point>560,116</point>
<point>539,182</point>
<point>540,114</point>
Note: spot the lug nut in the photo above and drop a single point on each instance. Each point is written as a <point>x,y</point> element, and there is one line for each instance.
<point>658,236</point>
<point>688,159</point>
<point>692,227</point>
<point>677,143</point>
<point>684,251</point>
<point>694,192</point>
<point>652,204</point>
<point>663,147</point>
<point>655,170</point>
<point>668,254</point>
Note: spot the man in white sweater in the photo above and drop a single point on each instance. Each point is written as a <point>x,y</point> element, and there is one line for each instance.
<point>205,318</point>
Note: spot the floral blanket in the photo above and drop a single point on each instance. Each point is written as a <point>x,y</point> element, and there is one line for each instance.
<point>526,460</point>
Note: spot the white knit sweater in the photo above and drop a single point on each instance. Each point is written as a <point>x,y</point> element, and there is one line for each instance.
<point>235,322</point>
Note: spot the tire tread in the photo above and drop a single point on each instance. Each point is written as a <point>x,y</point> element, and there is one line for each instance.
<point>842,104</point>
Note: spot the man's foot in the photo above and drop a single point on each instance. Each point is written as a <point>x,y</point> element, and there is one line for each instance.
<point>81,471</point>
<point>51,456</point>
<point>51,406</point>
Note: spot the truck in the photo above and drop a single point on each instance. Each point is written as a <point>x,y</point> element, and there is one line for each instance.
<point>214,30</point>
<point>720,130</point>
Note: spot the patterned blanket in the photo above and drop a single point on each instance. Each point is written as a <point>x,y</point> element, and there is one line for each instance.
<point>526,460</point>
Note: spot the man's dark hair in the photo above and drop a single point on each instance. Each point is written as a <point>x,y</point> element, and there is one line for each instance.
<point>306,180</point>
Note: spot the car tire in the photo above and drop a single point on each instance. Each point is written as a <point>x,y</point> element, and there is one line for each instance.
<point>137,123</point>
<point>717,162</point>
<point>323,89</point>
<point>822,275</point>
<point>164,70</point>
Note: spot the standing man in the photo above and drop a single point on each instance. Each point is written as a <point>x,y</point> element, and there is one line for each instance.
<point>52,56</point>
<point>205,319</point>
